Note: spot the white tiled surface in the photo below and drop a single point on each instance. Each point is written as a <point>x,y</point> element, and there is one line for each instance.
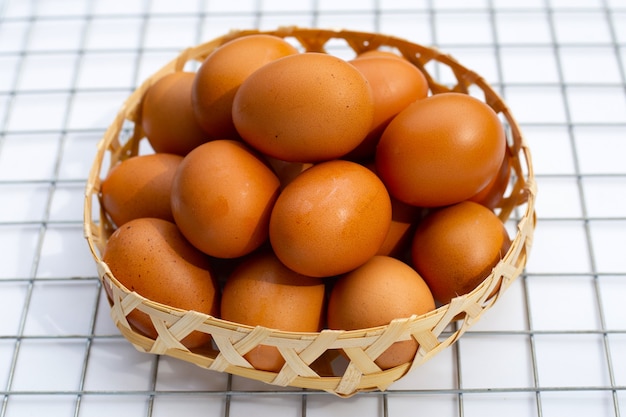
<point>554,346</point>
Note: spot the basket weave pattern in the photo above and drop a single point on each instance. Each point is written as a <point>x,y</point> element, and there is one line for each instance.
<point>309,356</point>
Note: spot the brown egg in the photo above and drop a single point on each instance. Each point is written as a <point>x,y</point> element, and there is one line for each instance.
<point>456,247</point>
<point>307,107</point>
<point>330,219</point>
<point>395,84</point>
<point>221,74</point>
<point>151,257</point>
<point>140,186</point>
<point>264,292</point>
<point>441,150</point>
<point>222,197</point>
<point>372,295</point>
<point>167,116</point>
<point>492,194</point>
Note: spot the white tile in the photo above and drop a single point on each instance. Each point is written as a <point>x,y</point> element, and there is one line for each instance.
<point>605,196</point>
<point>40,150</point>
<point>115,365</point>
<point>327,405</point>
<point>36,405</point>
<point>169,32</point>
<point>28,201</point>
<point>612,291</point>
<point>414,27</point>
<point>106,70</point>
<point>7,348</point>
<point>55,34</point>
<point>576,4</point>
<point>617,345</point>
<point>403,5</point>
<point>38,112</point>
<point>328,5</point>
<point>531,104</point>
<point>439,372</point>
<point>583,365</point>
<point>95,110</point>
<point>559,247</point>
<point>114,33</point>
<point>576,300</point>
<point>61,309</point>
<point>47,72</point>
<point>429,404</point>
<point>120,405</point>
<point>577,403</point>
<point>463,28</point>
<point>550,148</point>
<point>589,65</point>
<point>78,155</point>
<point>65,253</point>
<point>270,405</point>
<point>596,104</point>
<point>607,237</point>
<point>600,148</point>
<point>18,244</point>
<point>178,375</point>
<point>528,65</point>
<point>188,405</point>
<point>486,361</point>
<point>49,365</point>
<point>67,203</point>
<point>521,27</point>
<point>567,27</point>
<point>12,303</point>
<point>560,197</point>
<point>508,313</point>
<point>118,7</point>
<point>180,6</point>
<point>104,323</point>
<point>64,8</point>
<point>514,404</point>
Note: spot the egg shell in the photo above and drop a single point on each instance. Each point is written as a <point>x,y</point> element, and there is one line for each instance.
<point>308,107</point>
<point>455,248</point>
<point>441,150</point>
<point>330,219</point>
<point>151,257</point>
<point>140,186</point>
<point>222,197</point>
<point>167,116</point>
<point>381,290</point>
<point>221,74</point>
<point>395,84</point>
<point>264,292</point>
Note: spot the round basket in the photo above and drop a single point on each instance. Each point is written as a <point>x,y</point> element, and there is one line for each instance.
<point>313,360</point>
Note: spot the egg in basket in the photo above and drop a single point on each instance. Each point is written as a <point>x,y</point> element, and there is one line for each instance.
<point>262,207</point>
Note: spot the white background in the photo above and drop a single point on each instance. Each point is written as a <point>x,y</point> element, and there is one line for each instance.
<point>555,345</point>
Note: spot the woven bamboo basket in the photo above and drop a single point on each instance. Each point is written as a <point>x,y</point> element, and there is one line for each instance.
<point>310,357</point>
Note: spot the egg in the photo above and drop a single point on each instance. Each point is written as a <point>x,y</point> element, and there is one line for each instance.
<point>140,186</point>
<point>167,116</point>
<point>308,107</point>
<point>395,84</point>
<point>221,74</point>
<point>330,219</point>
<point>441,150</point>
<point>151,257</point>
<point>492,194</point>
<point>263,292</point>
<point>455,248</point>
<point>381,290</point>
<point>222,197</point>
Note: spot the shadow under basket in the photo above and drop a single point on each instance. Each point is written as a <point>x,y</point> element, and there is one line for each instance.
<point>313,360</point>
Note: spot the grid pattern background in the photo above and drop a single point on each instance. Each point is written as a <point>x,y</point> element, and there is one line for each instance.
<point>556,343</point>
